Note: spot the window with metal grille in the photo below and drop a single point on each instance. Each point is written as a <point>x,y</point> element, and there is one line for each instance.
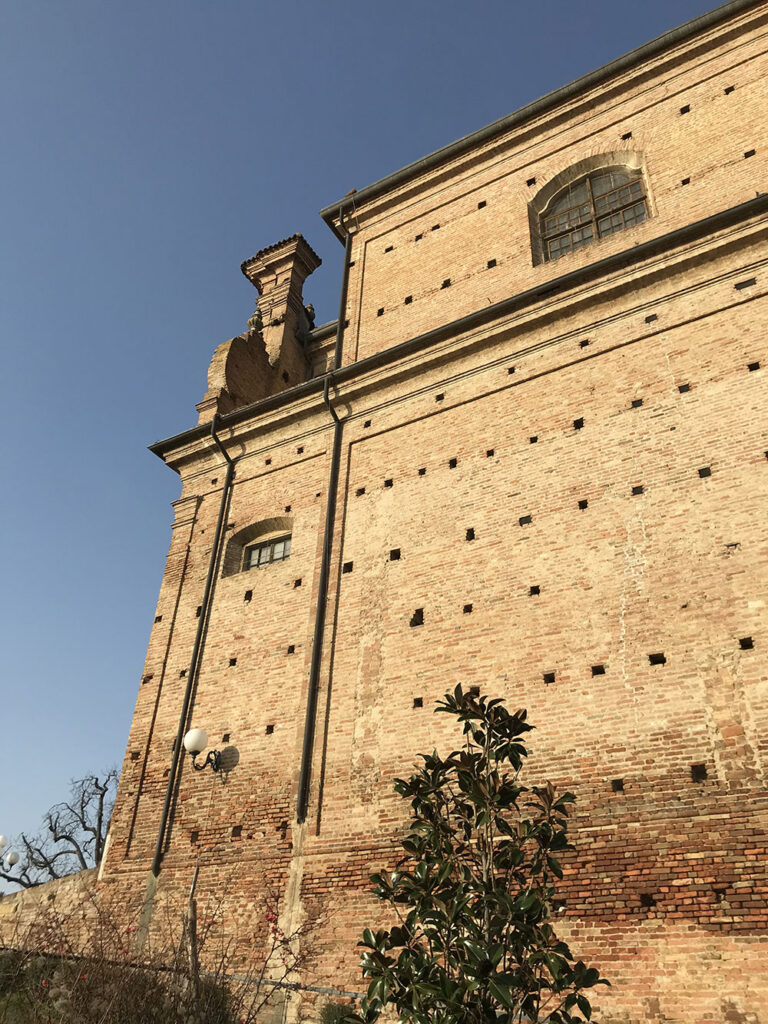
<point>595,206</point>
<point>275,550</point>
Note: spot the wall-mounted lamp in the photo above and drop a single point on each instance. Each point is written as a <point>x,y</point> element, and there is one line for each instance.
<point>196,741</point>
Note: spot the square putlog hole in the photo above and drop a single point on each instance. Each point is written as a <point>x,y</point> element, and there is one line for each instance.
<point>490,453</point>
<point>579,423</point>
<point>647,900</point>
<point>638,489</point>
<point>291,649</point>
<point>347,567</point>
<point>583,503</point>
<point>389,482</point>
<point>247,596</point>
<point>453,463</point>
<point>746,643</point>
<point>525,520</point>
<point>746,283</point>
<point>636,403</point>
<point>237,831</point>
<point>296,584</point>
<point>683,388</point>
<point>417,619</point>
<point>657,659</point>
<point>704,472</point>
<point>232,662</point>
<point>467,609</point>
<point>418,702</point>
<point>269,729</point>
<point>470,534</point>
<point>549,677</point>
<point>617,785</point>
<point>394,555</point>
<point>598,670</point>
<point>534,590</point>
<point>698,772</point>
<point>753,366</point>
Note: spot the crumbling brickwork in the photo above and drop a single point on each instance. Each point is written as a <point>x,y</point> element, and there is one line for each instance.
<point>552,484</point>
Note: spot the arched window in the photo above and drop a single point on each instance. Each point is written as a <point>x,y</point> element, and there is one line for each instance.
<point>258,545</point>
<point>593,206</point>
<point>275,549</point>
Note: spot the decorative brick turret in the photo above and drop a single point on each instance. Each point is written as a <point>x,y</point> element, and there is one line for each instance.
<point>270,356</point>
<point>278,274</point>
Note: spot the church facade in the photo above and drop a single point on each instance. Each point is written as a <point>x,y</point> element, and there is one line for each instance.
<point>530,456</point>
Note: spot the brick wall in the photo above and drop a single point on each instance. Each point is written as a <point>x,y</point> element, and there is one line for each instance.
<point>605,446</point>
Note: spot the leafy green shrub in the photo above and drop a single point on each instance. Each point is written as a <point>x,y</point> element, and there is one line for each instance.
<point>474,891</point>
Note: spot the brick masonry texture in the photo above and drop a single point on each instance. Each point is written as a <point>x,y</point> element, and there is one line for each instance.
<point>615,391</point>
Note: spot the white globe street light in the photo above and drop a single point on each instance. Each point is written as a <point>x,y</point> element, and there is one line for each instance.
<point>195,742</point>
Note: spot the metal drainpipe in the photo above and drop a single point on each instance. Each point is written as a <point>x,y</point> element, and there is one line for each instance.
<point>194,663</point>
<point>325,563</point>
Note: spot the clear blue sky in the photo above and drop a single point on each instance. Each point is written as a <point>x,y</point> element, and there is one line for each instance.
<point>147,148</point>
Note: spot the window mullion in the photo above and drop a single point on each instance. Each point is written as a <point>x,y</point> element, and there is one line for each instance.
<point>591,203</point>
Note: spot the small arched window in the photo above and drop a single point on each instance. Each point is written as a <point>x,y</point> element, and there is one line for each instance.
<point>596,205</point>
<point>258,545</point>
<point>275,549</point>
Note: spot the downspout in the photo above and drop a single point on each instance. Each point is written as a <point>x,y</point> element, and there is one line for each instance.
<point>305,776</point>
<point>340,324</point>
<point>194,663</point>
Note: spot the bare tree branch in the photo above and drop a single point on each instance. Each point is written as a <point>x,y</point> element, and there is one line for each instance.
<point>72,834</point>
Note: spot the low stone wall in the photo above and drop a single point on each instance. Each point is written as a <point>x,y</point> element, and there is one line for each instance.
<point>48,915</point>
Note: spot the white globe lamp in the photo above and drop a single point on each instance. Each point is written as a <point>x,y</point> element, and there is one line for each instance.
<point>195,741</point>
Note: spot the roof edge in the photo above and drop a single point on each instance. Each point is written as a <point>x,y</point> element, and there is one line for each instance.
<point>539,106</point>
<point>622,258</point>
